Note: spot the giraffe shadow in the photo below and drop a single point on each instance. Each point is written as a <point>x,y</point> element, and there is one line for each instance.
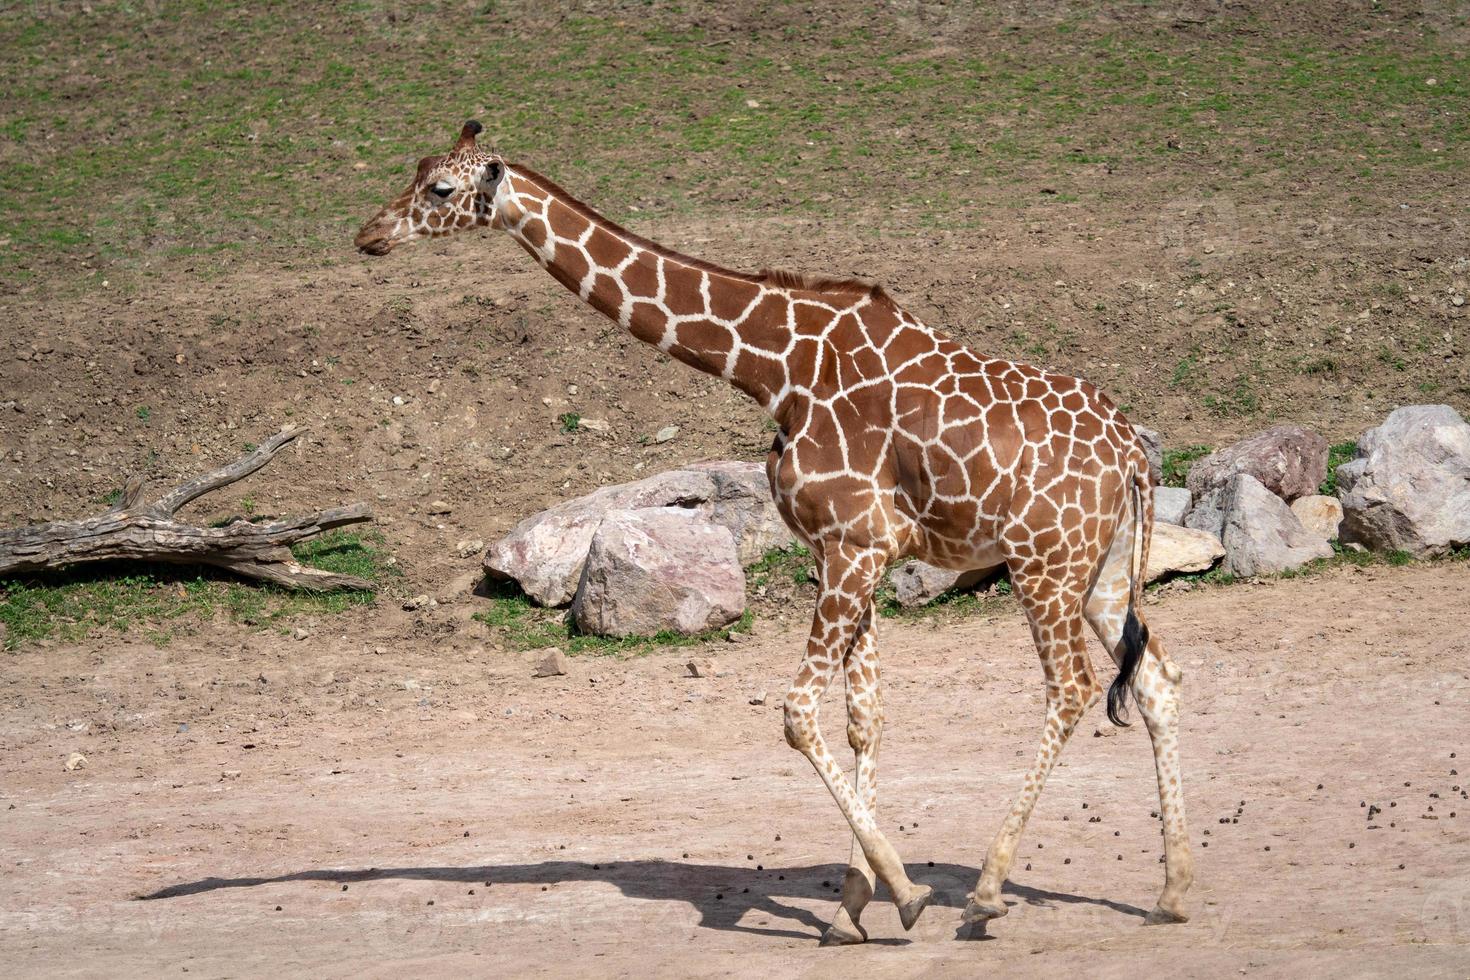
<point>741,899</point>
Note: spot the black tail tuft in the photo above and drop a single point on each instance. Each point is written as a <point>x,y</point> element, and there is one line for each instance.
<point>1135,641</point>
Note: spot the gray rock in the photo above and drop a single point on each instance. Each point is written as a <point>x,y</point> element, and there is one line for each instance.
<point>1260,533</point>
<point>657,569</point>
<point>1153,447</point>
<point>544,553</point>
<point>553,664</point>
<point>1288,460</point>
<point>1174,549</point>
<point>918,583</point>
<point>1318,514</point>
<point>1171,504</point>
<point>1409,490</point>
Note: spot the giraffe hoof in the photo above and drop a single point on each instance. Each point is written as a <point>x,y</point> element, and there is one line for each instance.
<point>837,935</point>
<point>977,911</point>
<point>908,912</point>
<point>1161,916</point>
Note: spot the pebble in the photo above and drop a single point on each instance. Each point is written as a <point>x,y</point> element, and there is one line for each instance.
<point>759,699</point>
<point>469,546</point>
<point>419,602</point>
<point>665,434</point>
<point>439,507</point>
<point>75,761</point>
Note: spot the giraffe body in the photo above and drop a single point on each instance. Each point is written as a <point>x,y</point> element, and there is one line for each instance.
<point>894,441</point>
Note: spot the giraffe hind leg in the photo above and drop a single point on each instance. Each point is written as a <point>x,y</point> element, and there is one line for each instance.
<point>1054,612</point>
<point>1154,685</point>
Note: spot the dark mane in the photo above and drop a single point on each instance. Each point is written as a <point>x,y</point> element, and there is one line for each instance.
<point>779,278</point>
<point>807,282</point>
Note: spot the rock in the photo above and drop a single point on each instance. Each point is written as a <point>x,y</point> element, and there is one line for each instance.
<point>758,698</point>
<point>1288,460</point>
<point>700,667</point>
<point>1171,504</point>
<point>299,634</point>
<point>544,553</point>
<point>469,546</point>
<point>1153,447</point>
<point>918,583</point>
<point>75,761</point>
<point>659,569</point>
<point>418,602</point>
<point>1174,549</point>
<point>665,434</point>
<point>553,664</point>
<point>439,507</point>
<point>1409,490</point>
<point>594,425</point>
<point>1318,514</point>
<point>1261,534</point>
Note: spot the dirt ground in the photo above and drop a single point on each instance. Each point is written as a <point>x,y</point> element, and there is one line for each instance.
<point>1226,214</point>
<point>436,809</point>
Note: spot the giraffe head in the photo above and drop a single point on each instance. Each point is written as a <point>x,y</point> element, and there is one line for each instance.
<point>449,193</point>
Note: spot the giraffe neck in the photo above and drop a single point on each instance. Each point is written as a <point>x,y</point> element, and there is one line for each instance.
<point>725,323</point>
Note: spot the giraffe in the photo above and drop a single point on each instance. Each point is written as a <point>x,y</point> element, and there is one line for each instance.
<point>893,441</point>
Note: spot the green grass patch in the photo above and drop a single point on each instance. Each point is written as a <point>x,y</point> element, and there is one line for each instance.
<point>1341,453</point>
<point>1176,463</point>
<point>793,564</point>
<point>162,601</point>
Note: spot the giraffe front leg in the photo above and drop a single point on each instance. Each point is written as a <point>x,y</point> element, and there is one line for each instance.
<point>864,734</point>
<point>848,579</point>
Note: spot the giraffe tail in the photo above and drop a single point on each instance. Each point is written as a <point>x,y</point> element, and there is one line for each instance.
<point>1135,631</point>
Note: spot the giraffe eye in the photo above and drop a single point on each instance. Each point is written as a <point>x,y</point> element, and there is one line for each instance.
<point>442,191</point>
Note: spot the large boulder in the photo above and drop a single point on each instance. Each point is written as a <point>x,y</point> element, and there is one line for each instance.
<point>657,569</point>
<point>1318,514</point>
<point>1288,460</point>
<point>1260,533</point>
<point>1171,504</point>
<point>1409,488</point>
<point>918,583</point>
<point>1174,549</point>
<point>544,553</point>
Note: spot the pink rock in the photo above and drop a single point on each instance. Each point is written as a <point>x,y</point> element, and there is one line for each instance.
<point>544,553</point>
<point>658,569</point>
<point>1288,460</point>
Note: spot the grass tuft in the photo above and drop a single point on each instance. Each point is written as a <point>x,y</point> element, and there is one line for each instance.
<point>162,601</point>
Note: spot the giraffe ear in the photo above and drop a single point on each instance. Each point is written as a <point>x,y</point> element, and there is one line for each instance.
<point>468,133</point>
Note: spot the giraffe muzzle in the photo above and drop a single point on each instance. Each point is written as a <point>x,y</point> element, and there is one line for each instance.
<point>373,242</point>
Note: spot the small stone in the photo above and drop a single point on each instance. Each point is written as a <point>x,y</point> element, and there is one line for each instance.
<point>666,433</point>
<point>439,507</point>
<point>75,761</point>
<point>417,602</point>
<point>466,547</point>
<point>594,425</point>
<point>553,664</point>
<point>299,634</point>
<point>759,699</point>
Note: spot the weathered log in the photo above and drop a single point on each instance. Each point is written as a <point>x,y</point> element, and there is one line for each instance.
<point>139,531</point>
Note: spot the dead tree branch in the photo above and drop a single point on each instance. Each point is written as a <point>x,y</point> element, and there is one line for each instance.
<point>136,530</point>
